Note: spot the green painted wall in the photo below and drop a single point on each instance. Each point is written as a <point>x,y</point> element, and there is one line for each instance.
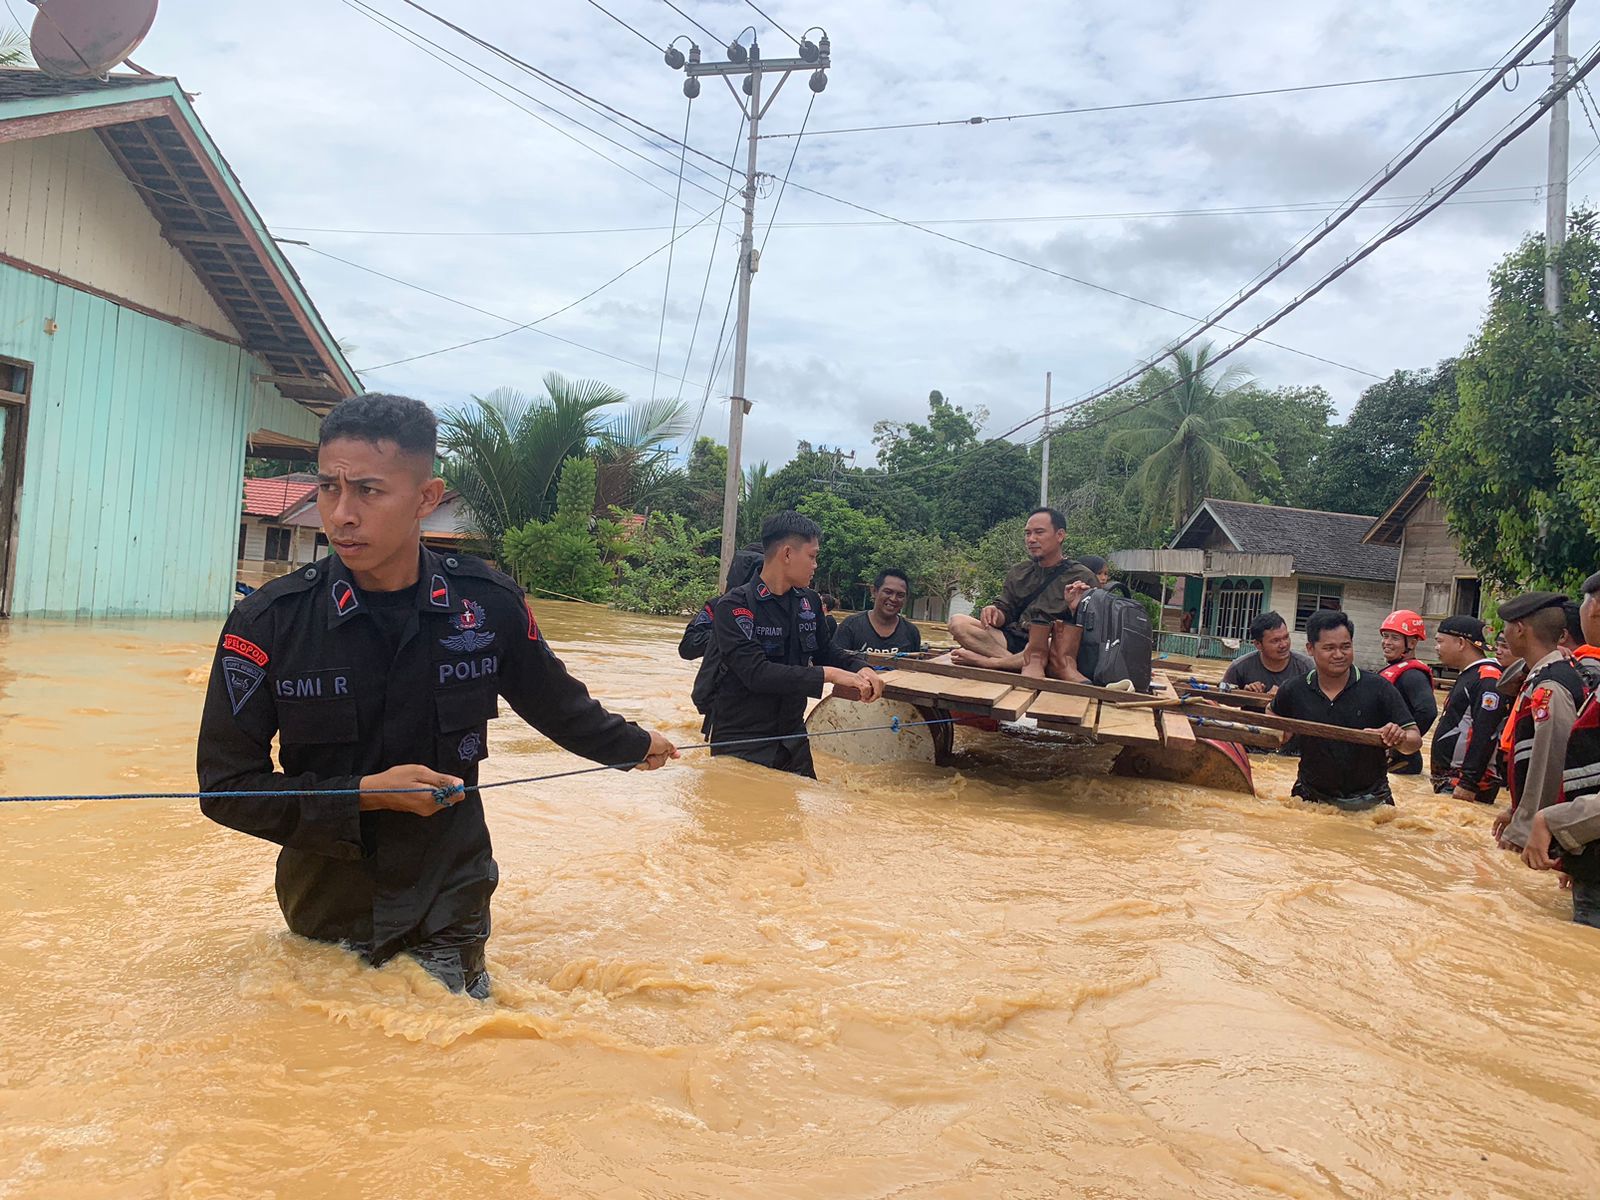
<point>134,463</point>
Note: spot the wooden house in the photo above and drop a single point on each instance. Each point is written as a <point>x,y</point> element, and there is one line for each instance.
<point>152,332</point>
<point>1432,578</point>
<point>1235,561</point>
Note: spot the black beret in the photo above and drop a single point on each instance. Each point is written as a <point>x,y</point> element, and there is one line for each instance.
<point>1524,606</point>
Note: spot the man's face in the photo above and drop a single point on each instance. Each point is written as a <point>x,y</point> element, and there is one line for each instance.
<point>1274,645</point>
<point>1455,651</point>
<point>890,596</point>
<point>1394,645</point>
<point>1519,640</point>
<point>1589,614</point>
<point>1503,654</point>
<point>371,497</point>
<point>1041,537</point>
<point>1333,652</point>
<point>799,561</point>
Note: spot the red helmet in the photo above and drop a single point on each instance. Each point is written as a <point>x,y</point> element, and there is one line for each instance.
<point>1404,622</point>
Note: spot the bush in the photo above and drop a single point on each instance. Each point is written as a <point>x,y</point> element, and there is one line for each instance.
<point>561,557</point>
<point>667,570</point>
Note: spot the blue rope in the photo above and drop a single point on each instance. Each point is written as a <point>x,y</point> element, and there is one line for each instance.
<point>442,796</point>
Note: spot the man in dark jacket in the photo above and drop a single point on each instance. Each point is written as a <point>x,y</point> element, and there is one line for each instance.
<point>378,669</point>
<point>775,651</point>
<point>697,643</point>
<point>1465,741</point>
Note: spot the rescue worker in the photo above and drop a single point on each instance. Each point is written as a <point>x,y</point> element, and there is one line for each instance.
<point>1463,746</point>
<point>775,650</point>
<point>1412,678</point>
<point>1541,721</point>
<point>1272,663</point>
<point>1031,627</point>
<point>377,668</point>
<point>1585,657</point>
<point>1571,826</point>
<point>1337,692</point>
<point>882,627</point>
<point>696,641</point>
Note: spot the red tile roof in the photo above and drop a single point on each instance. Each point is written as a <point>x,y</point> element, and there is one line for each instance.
<point>274,497</point>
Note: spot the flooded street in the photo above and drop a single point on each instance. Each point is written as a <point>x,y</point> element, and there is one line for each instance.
<point>718,981</point>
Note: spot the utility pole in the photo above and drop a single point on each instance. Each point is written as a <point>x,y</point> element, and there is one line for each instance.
<point>814,57</point>
<point>1044,457</point>
<point>1555,215</point>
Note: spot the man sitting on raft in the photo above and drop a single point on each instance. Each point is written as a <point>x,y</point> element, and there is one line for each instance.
<point>1031,627</point>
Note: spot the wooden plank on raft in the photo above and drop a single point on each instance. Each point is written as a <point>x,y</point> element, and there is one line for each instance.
<point>1059,687</point>
<point>1013,704</point>
<point>1272,721</point>
<point>964,695</point>
<point>1175,728</point>
<point>1127,726</point>
<point>1056,711</point>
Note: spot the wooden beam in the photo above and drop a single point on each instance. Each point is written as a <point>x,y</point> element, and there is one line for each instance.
<point>1058,687</point>
<point>1013,704</point>
<point>46,124</point>
<point>1331,733</point>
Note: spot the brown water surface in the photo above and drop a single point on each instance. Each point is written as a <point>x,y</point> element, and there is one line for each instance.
<point>716,981</point>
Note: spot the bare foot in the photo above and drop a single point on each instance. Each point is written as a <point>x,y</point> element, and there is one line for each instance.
<point>971,658</point>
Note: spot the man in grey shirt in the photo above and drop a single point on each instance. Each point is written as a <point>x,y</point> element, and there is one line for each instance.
<point>1272,664</point>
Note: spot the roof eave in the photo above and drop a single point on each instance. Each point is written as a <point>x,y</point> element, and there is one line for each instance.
<point>1387,528</point>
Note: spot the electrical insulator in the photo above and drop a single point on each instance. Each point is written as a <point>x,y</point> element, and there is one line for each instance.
<point>819,80</point>
<point>808,50</point>
<point>823,45</point>
<point>737,53</point>
<point>747,89</point>
<point>674,58</point>
<point>755,260</point>
<point>694,53</point>
<point>691,87</point>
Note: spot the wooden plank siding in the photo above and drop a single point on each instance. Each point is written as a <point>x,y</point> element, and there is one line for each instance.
<point>134,461</point>
<point>1429,556</point>
<point>67,207</point>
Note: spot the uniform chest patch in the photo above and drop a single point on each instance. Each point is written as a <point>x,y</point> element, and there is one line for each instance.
<point>243,677</point>
<point>1539,702</point>
<point>471,631</point>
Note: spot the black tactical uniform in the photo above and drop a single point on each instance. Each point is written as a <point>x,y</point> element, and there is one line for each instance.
<point>353,685</point>
<point>770,651</point>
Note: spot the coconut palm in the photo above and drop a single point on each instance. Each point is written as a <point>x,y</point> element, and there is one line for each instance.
<point>13,49</point>
<point>632,455</point>
<point>504,451</point>
<point>1188,441</point>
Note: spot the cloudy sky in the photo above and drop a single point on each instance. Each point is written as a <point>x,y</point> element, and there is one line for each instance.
<point>344,134</point>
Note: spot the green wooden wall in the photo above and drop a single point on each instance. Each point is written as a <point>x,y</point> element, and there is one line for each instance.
<point>135,456</point>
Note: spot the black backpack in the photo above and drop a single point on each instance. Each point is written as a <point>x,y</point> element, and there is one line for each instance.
<point>1117,641</point>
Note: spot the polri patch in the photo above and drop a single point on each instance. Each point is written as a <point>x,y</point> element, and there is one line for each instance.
<point>243,677</point>
<point>248,649</point>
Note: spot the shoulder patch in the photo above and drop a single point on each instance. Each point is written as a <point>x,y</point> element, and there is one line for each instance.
<point>746,621</point>
<point>242,678</point>
<point>1539,702</point>
<point>238,645</point>
<point>533,626</point>
<point>1490,701</point>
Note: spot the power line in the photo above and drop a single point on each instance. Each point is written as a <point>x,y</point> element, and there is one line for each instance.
<point>1295,206</point>
<point>1098,108</point>
<point>517,326</point>
<point>422,42</point>
<point>647,41</point>
<point>715,38</point>
<point>666,287</point>
<point>705,284</point>
<point>782,187</point>
<point>774,24</point>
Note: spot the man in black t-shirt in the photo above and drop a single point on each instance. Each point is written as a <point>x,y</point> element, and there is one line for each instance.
<point>882,627</point>
<point>1337,692</point>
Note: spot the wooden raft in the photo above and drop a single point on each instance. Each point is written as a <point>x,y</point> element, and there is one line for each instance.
<point>1106,721</point>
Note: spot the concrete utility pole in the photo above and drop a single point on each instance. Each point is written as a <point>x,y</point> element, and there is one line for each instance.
<point>1044,457</point>
<point>814,57</point>
<point>1555,215</point>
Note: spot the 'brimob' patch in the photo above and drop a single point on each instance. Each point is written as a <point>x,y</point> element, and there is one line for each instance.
<point>243,678</point>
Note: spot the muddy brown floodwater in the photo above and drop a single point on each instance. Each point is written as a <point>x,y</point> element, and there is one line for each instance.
<point>716,981</point>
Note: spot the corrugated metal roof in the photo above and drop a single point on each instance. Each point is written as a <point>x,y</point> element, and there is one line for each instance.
<point>1322,543</point>
<point>18,83</point>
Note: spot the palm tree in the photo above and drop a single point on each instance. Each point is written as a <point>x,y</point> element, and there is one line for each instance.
<point>1188,441</point>
<point>13,49</point>
<point>504,452</point>
<point>755,491</point>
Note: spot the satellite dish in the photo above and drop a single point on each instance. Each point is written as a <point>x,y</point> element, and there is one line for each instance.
<point>84,39</point>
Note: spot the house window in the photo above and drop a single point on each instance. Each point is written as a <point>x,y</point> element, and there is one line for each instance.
<point>1316,594</point>
<point>1435,599</point>
<point>1468,597</point>
<point>1234,604</point>
<point>277,544</point>
<point>244,532</point>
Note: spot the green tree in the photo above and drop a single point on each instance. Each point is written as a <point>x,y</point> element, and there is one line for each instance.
<point>1291,428</point>
<point>950,430</point>
<point>696,492</point>
<point>754,503</point>
<point>631,456</point>
<point>13,49</point>
<point>668,570</point>
<point>1189,440</point>
<point>1513,459</point>
<point>852,544</point>
<point>1372,456</point>
<point>562,556</point>
<point>997,552</point>
<point>938,567</point>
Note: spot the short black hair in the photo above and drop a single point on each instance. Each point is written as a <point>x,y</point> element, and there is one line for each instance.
<point>1093,561</point>
<point>787,526</point>
<point>1055,515</point>
<point>829,601</point>
<point>1265,624</point>
<point>1325,619</point>
<point>1574,622</point>
<point>897,573</point>
<point>379,417</point>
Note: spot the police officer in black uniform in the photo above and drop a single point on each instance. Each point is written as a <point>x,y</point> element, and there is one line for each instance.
<point>378,668</point>
<point>774,649</point>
